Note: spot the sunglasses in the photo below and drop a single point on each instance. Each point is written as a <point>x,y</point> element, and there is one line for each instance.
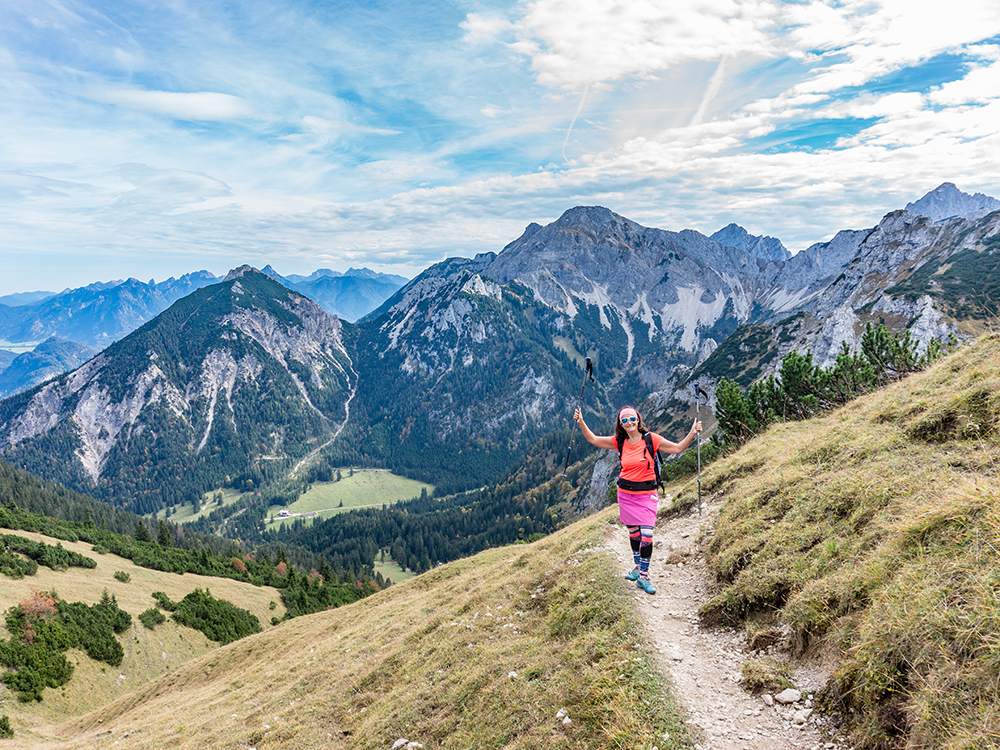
<point>629,420</point>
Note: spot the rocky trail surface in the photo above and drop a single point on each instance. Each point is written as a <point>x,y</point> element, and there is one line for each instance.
<point>704,664</point>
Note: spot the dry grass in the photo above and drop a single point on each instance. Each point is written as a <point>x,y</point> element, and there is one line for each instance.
<point>148,653</point>
<point>876,530</point>
<point>430,660</point>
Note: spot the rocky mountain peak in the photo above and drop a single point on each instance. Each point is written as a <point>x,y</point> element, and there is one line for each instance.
<point>768,248</point>
<point>946,201</point>
<point>594,217</point>
<point>238,273</point>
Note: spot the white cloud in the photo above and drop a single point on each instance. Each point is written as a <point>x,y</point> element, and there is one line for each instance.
<point>979,86</point>
<point>200,105</point>
<point>320,132</point>
<point>480,28</point>
<point>875,38</point>
<point>575,43</point>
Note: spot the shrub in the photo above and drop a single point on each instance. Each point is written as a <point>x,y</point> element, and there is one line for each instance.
<point>5,729</point>
<point>57,558</point>
<point>122,576</point>
<point>163,601</point>
<point>15,566</point>
<point>40,605</point>
<point>803,389</point>
<point>152,617</point>
<point>43,626</point>
<point>218,619</point>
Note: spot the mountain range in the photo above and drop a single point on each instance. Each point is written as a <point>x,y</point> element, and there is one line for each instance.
<point>349,295</point>
<point>460,371</point>
<point>237,374</point>
<point>90,318</point>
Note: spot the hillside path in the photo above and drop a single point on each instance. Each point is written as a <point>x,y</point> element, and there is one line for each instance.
<point>704,664</point>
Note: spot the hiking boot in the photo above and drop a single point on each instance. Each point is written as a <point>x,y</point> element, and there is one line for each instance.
<point>646,585</point>
<point>632,575</point>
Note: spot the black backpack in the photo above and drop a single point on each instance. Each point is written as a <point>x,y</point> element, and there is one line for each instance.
<point>629,486</point>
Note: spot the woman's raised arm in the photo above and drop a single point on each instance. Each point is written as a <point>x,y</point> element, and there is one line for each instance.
<point>601,441</point>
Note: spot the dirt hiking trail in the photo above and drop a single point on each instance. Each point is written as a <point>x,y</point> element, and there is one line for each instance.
<point>704,664</point>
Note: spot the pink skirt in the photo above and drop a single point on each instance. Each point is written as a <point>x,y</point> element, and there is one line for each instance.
<point>637,508</point>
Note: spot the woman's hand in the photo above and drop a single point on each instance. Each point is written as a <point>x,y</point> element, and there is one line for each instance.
<point>696,427</point>
<point>578,417</point>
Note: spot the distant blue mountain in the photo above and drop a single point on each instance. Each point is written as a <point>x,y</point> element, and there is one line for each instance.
<point>25,298</point>
<point>97,314</point>
<point>6,357</point>
<point>50,358</point>
<point>349,296</point>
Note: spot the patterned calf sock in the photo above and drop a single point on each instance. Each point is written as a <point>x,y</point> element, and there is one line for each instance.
<point>635,540</point>
<point>645,549</point>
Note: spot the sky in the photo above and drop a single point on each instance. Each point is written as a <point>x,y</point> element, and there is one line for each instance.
<point>152,139</point>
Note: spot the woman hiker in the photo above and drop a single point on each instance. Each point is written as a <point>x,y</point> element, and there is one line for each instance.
<point>637,496</point>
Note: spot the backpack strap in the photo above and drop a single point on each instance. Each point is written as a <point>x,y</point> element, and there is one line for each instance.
<point>654,454</point>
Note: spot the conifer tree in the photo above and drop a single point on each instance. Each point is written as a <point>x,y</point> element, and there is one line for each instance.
<point>141,532</point>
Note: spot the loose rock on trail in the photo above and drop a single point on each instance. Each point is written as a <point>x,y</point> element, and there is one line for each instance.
<point>704,664</point>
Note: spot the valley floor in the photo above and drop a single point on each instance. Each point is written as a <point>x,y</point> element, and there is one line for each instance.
<point>704,664</point>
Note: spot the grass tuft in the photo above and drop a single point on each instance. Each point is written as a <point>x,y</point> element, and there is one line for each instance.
<point>766,676</point>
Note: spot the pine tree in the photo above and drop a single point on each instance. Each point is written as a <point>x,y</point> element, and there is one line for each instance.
<point>163,536</point>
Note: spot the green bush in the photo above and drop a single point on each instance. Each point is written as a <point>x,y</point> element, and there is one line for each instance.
<point>218,619</point>
<point>57,558</point>
<point>5,729</point>
<point>163,601</point>
<point>44,626</point>
<point>152,617</point>
<point>122,576</point>
<point>15,566</point>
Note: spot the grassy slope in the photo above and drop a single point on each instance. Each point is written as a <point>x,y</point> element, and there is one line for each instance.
<point>185,513</point>
<point>148,654</point>
<point>368,488</point>
<point>429,659</point>
<point>875,533</point>
<point>391,570</point>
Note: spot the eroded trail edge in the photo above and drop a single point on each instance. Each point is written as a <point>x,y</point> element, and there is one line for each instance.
<point>705,664</point>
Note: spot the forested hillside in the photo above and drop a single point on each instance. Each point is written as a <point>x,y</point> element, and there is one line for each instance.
<point>228,386</point>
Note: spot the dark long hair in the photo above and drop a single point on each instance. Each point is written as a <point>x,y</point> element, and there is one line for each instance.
<point>620,434</point>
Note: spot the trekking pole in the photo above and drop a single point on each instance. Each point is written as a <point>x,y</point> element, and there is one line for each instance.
<point>698,393</point>
<point>588,373</point>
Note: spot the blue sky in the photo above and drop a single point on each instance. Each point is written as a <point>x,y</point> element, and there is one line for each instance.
<point>151,139</point>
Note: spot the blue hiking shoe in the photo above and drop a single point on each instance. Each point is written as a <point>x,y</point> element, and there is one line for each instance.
<point>646,585</point>
<point>632,575</point>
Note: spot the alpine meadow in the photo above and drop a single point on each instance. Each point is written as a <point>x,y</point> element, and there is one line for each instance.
<point>237,519</point>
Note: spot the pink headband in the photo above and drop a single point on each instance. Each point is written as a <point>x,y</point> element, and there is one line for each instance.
<point>628,412</point>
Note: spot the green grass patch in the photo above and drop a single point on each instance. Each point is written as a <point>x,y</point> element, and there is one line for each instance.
<point>210,501</point>
<point>391,570</point>
<point>368,488</point>
<point>766,676</point>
